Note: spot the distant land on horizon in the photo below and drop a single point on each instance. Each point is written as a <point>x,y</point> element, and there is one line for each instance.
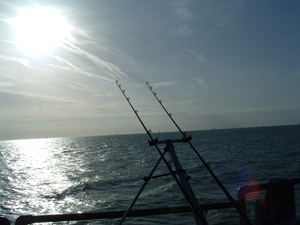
<point>120,134</point>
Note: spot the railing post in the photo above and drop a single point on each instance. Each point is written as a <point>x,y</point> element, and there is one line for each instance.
<point>242,206</point>
<point>280,204</point>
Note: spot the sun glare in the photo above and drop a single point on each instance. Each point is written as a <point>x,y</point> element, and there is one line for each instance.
<point>38,30</point>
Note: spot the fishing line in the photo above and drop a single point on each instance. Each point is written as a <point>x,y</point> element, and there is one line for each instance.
<point>240,211</point>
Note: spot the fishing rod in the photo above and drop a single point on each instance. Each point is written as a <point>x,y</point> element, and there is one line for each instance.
<point>240,211</point>
<point>198,212</point>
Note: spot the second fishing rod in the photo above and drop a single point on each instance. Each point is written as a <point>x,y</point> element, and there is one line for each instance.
<point>236,206</point>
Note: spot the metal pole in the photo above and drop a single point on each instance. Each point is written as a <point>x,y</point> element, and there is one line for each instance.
<point>183,177</point>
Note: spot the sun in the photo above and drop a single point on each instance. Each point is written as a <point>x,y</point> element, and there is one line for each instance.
<point>38,30</point>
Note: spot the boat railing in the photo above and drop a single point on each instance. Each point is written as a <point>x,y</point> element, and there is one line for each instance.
<point>4,221</point>
<point>30,219</point>
<point>278,205</point>
<point>244,190</point>
<point>242,193</point>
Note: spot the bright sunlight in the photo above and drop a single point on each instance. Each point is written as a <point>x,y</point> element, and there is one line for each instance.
<point>38,30</point>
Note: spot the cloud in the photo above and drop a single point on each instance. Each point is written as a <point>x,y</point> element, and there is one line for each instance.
<point>5,84</point>
<point>228,11</point>
<point>185,16</point>
<point>81,32</point>
<point>184,30</point>
<point>19,99</point>
<point>103,45</point>
<point>200,81</point>
<point>182,11</point>
<point>40,106</point>
<point>85,87</point>
<point>190,51</point>
<point>199,56</point>
<point>75,68</point>
<point>166,83</point>
<point>273,73</point>
<point>24,62</point>
<point>7,75</point>
<point>102,64</point>
<point>204,17</point>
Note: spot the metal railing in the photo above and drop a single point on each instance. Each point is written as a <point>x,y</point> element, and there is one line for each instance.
<point>4,221</point>
<point>29,219</point>
<point>242,192</point>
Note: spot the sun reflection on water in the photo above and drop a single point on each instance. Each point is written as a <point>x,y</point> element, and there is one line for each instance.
<point>36,174</point>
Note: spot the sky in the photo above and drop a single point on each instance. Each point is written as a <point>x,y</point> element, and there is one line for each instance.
<point>214,64</point>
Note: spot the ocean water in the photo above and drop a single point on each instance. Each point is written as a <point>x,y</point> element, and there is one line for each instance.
<point>104,173</point>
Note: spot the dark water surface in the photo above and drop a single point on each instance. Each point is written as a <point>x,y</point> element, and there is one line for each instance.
<point>89,174</point>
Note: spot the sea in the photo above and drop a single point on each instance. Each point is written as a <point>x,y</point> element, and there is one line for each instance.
<point>104,173</point>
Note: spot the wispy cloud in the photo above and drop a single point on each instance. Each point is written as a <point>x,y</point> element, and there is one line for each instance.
<point>166,83</point>
<point>76,69</point>
<point>200,81</point>
<point>182,11</point>
<point>102,64</point>
<point>273,73</point>
<point>22,61</point>
<point>25,100</point>
<point>185,16</point>
<point>184,30</point>
<point>216,14</point>
<point>85,87</point>
<point>227,12</point>
<point>10,76</point>
<point>6,84</point>
<point>199,56</point>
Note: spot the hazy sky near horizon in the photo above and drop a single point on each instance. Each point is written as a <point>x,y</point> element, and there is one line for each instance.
<point>214,64</point>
